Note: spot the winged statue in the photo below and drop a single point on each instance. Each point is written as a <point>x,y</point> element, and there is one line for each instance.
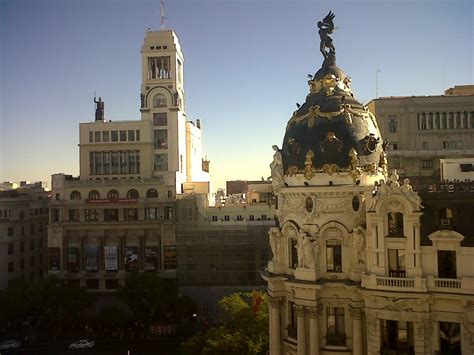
<point>326,27</point>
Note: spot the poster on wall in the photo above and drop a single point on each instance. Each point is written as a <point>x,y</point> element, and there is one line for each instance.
<point>131,258</point>
<point>110,258</point>
<point>151,258</point>
<point>73,259</point>
<point>54,257</point>
<point>169,257</point>
<point>91,258</point>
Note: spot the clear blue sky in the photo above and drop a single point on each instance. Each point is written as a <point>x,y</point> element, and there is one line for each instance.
<point>245,68</point>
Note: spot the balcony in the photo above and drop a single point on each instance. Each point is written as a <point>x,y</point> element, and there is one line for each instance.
<point>463,285</point>
<point>412,284</point>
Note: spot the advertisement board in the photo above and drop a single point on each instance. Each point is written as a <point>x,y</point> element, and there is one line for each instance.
<point>110,258</point>
<point>169,257</point>
<point>131,258</point>
<point>151,258</point>
<point>91,258</point>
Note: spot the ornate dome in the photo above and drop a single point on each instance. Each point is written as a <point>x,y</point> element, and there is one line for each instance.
<point>332,132</point>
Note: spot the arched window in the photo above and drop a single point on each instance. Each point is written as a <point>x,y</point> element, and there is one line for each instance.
<point>75,195</point>
<point>94,195</point>
<point>333,255</point>
<point>159,101</point>
<point>132,194</point>
<point>293,253</point>
<point>152,193</point>
<point>113,195</point>
<point>395,224</point>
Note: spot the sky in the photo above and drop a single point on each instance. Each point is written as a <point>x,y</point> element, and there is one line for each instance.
<point>246,66</point>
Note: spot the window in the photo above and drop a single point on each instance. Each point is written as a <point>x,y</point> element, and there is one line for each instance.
<point>395,224</point>
<point>161,162</point>
<point>152,213</point>
<point>10,231</point>
<point>160,119</point>
<point>427,164</point>
<point>169,213</point>
<point>32,260</point>
<point>424,145</point>
<point>396,263</point>
<point>11,266</point>
<point>131,135</point>
<point>131,214</point>
<point>32,244</point>
<point>264,217</point>
<point>91,137</point>
<point>152,193</point>
<point>293,321</point>
<point>214,218</point>
<point>447,264</point>
<point>11,249</point>
<point>74,215</point>
<point>94,195</point>
<point>159,101</point>
<point>450,338</point>
<point>91,215</point>
<point>160,139</point>
<point>397,337</point>
<point>333,255</point>
<point>445,218</point>
<point>123,136</point>
<point>92,284</point>
<point>158,67</point>
<point>111,284</point>
<point>239,217</point>
<point>22,215</point>
<point>226,218</point>
<point>105,136</point>
<point>32,228</point>
<point>132,194</point>
<point>421,121</point>
<point>137,135</point>
<point>75,195</point>
<point>22,264</point>
<point>335,334</point>
<point>293,253</point>
<point>22,246</point>
<point>251,217</point>
<point>110,215</point>
<point>113,195</point>
<point>393,146</point>
<point>97,137</point>
<point>392,124</point>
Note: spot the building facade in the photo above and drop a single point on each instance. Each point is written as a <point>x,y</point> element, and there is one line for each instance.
<point>421,130</point>
<point>119,215</point>
<point>23,233</point>
<point>362,264</point>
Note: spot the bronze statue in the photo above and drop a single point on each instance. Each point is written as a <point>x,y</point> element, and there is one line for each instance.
<point>326,27</point>
<point>99,109</point>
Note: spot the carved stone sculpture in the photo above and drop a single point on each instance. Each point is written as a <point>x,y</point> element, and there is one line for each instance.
<point>276,168</point>
<point>358,235</point>
<point>276,244</point>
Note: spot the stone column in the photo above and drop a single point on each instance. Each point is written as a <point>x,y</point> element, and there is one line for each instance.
<point>417,245</point>
<point>300,313</point>
<point>373,333</point>
<point>357,341</point>
<point>275,341</point>
<point>313,330</point>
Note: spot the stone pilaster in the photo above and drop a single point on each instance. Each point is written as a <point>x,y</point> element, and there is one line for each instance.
<point>373,334</point>
<point>300,313</point>
<point>275,339</point>
<point>357,340</point>
<point>313,313</point>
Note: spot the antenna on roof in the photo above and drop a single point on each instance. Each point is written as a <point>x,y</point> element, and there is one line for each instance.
<point>162,15</point>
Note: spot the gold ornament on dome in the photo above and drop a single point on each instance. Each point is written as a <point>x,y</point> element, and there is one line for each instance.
<point>292,170</point>
<point>370,168</point>
<point>330,168</point>
<point>329,84</point>
<point>315,86</point>
<point>308,165</point>
<point>354,169</point>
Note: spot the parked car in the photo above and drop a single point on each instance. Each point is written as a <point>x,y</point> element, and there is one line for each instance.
<point>82,344</point>
<point>10,344</point>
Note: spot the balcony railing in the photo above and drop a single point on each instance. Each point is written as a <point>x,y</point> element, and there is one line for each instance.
<point>447,283</point>
<point>396,282</point>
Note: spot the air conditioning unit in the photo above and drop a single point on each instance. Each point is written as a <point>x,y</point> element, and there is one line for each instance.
<point>445,222</point>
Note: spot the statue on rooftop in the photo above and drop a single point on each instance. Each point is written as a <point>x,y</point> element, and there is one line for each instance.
<point>326,27</point>
<point>99,109</point>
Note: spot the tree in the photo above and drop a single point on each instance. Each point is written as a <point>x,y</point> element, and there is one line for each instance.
<point>149,297</point>
<point>244,329</point>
